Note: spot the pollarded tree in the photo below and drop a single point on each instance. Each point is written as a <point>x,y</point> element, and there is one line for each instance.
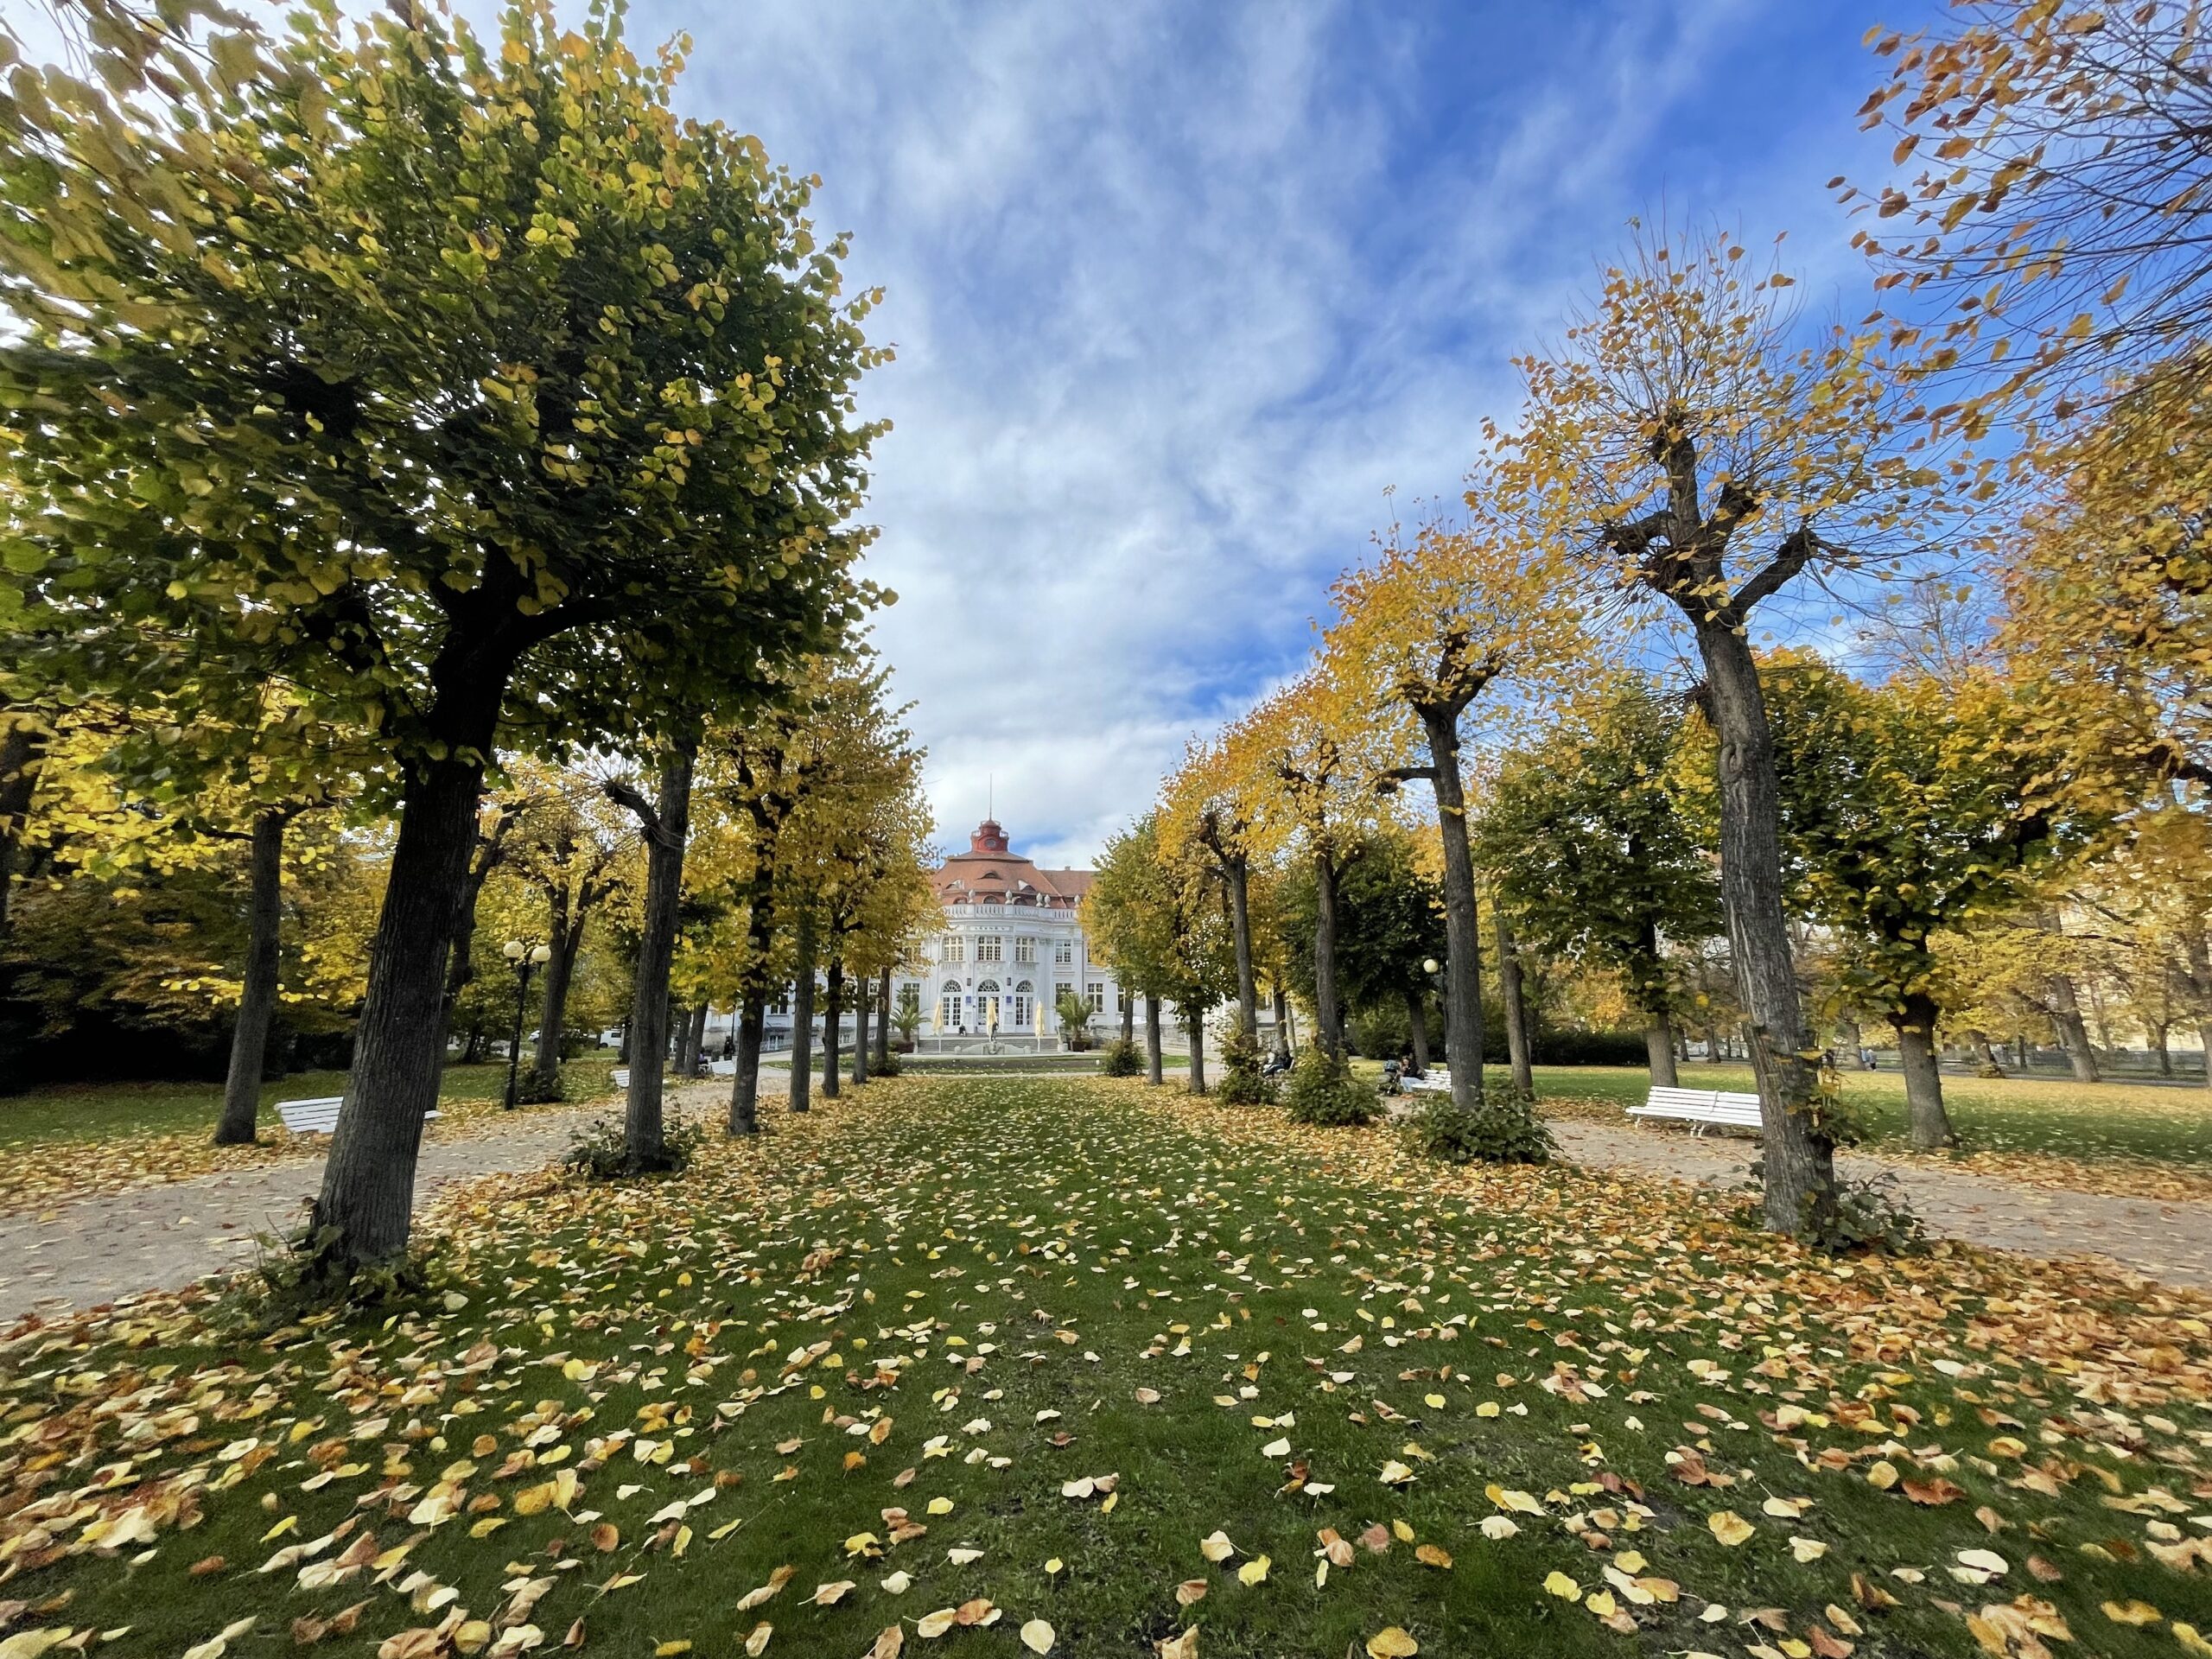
<point>1425,632</point>
<point>1589,850</point>
<point>1206,807</point>
<point>470,392</point>
<point>577,853</point>
<point>1130,914</point>
<point>1307,759</point>
<point>1683,443</point>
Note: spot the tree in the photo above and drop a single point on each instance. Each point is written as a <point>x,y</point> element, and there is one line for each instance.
<point>1390,921</point>
<point>1680,441</point>
<point>1131,916</point>
<point>539,439</point>
<point>1426,631</point>
<point>2061,209</point>
<point>1207,807</point>
<point>1592,855</point>
<point>1073,1013</point>
<point>1310,772</point>
<point>1908,808</point>
<point>577,854</point>
<point>906,1014</point>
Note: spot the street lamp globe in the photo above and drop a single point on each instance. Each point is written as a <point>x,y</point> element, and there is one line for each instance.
<point>513,950</point>
<point>1429,965</point>
<point>542,954</point>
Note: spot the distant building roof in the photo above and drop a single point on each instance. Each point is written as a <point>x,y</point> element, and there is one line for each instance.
<point>990,872</point>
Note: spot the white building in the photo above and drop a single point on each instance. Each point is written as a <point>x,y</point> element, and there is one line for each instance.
<point>1012,945</point>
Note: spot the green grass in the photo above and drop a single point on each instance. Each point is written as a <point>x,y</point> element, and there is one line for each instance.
<point>973,1268</point>
<point>87,1111</point>
<point>2089,1122</point>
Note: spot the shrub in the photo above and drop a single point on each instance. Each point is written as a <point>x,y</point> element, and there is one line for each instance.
<point>1122,1059</point>
<point>1241,1084</point>
<point>1871,1216</point>
<point>885,1065</point>
<point>1504,1129</point>
<point>601,1153</point>
<point>1323,1090</point>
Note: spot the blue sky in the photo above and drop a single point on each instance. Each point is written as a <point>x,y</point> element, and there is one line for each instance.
<point>1179,291</point>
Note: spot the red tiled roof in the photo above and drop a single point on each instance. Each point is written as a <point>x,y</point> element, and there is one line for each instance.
<point>990,872</point>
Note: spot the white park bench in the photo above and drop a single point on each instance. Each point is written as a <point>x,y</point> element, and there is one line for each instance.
<point>620,1077</point>
<point>318,1116</point>
<point>1436,1081</point>
<point>1702,1108</point>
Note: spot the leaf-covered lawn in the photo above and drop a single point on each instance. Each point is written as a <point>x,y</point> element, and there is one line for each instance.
<point>67,1140</point>
<point>964,1359</point>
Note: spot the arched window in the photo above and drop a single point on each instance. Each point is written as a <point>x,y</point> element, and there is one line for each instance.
<point>987,1005</point>
<point>1023,1012</point>
<point>948,1005</point>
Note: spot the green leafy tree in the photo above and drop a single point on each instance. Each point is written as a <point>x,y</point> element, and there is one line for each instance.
<point>1908,808</point>
<point>1594,859</point>
<point>462,386</point>
<point>1389,923</point>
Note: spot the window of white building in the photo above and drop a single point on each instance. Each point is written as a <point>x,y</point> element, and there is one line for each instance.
<point>987,1005</point>
<point>956,948</point>
<point>1063,953</point>
<point>948,1004</point>
<point>1095,994</point>
<point>987,947</point>
<point>1024,1010</point>
<point>1024,949</point>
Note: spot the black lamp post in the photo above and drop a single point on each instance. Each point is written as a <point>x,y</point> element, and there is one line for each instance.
<point>524,957</point>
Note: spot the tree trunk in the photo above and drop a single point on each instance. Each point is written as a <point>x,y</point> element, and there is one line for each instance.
<point>1197,1025</point>
<point>484,856</point>
<point>1659,1048</point>
<point>565,933</point>
<point>1129,1015</point>
<point>745,1088</point>
<point>1800,1156</point>
<point>2155,1033</point>
<point>753,988</point>
<point>803,1013</point>
<point>2196,975</point>
<point>832,1016</point>
<point>643,1131</point>
<point>1984,1055</point>
<point>1152,1041</point>
<point>2073,1034</point>
<point>22,748</point>
<point>258,998</point>
<point>1237,873</point>
<point>472,1050</point>
<point>695,1040</point>
<point>1925,1119</point>
<point>1463,952</point>
<point>1516,1012</point>
<point>1282,1020</point>
<point>368,1180</point>
<point>883,1021</point>
<point>862,995</point>
<point>1417,1024</point>
<point>1327,1013</point>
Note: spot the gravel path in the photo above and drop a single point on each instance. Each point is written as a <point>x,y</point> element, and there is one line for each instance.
<point>165,1235</point>
<point>2168,1242</point>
